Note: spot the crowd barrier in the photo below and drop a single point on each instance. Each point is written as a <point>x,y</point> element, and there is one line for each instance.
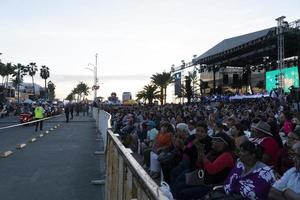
<point>125,177</point>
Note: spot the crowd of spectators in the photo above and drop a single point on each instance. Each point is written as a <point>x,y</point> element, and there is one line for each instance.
<point>251,148</point>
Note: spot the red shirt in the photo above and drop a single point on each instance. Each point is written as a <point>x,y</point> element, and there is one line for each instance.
<point>271,148</point>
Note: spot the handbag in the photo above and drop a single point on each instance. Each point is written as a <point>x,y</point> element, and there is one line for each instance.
<point>195,177</point>
<point>165,188</point>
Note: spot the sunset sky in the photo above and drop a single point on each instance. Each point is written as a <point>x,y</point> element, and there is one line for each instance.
<point>133,38</point>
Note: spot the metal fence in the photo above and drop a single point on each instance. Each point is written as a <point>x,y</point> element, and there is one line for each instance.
<point>125,177</point>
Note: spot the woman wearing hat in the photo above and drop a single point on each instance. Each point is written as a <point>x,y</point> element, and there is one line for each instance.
<point>215,165</point>
<point>264,137</point>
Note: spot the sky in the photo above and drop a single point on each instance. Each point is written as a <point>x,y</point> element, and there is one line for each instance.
<point>134,39</point>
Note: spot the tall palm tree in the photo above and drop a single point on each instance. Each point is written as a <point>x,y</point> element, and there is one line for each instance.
<point>45,73</point>
<point>51,88</point>
<point>19,73</point>
<point>162,81</point>
<point>70,96</point>
<point>148,93</point>
<point>194,82</point>
<point>75,92</point>
<point>2,71</point>
<point>83,88</point>
<point>10,70</point>
<point>32,69</point>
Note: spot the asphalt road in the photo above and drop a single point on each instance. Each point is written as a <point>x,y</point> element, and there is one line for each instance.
<point>59,165</point>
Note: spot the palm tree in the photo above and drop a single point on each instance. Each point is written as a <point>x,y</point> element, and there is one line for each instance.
<point>82,88</point>
<point>75,92</point>
<point>51,88</point>
<point>162,81</point>
<point>44,73</point>
<point>195,82</point>
<point>70,96</point>
<point>32,69</point>
<point>2,71</point>
<point>19,73</point>
<point>10,70</point>
<point>148,93</point>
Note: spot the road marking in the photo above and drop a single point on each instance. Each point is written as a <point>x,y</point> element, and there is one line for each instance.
<point>41,135</point>
<point>32,140</point>
<point>99,152</point>
<point>51,129</point>
<point>98,182</point>
<point>6,154</point>
<point>20,146</point>
<point>47,132</point>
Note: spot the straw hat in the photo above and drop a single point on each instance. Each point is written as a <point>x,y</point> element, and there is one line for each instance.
<point>263,127</point>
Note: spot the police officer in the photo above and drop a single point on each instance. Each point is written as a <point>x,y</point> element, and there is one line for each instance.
<point>38,115</point>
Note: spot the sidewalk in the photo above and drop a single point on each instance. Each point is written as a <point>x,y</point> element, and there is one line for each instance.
<point>59,165</point>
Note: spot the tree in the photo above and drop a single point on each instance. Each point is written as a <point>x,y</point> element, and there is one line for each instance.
<point>2,71</point>
<point>162,81</point>
<point>32,69</point>
<point>51,89</point>
<point>70,96</point>
<point>44,73</point>
<point>82,88</point>
<point>19,73</point>
<point>148,93</point>
<point>75,92</point>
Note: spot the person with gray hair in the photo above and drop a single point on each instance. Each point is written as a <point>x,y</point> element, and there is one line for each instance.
<point>288,186</point>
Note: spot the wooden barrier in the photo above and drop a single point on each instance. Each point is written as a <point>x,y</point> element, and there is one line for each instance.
<point>125,178</point>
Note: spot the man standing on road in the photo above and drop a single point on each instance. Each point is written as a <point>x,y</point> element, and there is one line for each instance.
<point>71,109</point>
<point>67,111</point>
<point>38,115</point>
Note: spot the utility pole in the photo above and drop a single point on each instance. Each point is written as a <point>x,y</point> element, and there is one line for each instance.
<point>96,79</point>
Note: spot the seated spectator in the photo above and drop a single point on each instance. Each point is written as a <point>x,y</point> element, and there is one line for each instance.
<point>263,137</point>
<point>285,160</point>
<point>237,133</point>
<point>190,151</point>
<point>250,178</point>
<point>191,127</point>
<point>216,166</point>
<point>288,186</point>
<point>286,119</point>
<point>162,145</point>
<point>146,146</point>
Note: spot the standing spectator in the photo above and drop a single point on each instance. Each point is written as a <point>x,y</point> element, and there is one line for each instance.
<point>67,112</point>
<point>71,109</point>
<point>39,115</point>
<point>77,108</point>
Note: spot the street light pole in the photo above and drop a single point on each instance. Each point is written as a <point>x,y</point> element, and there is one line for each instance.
<point>94,70</point>
<point>96,79</point>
